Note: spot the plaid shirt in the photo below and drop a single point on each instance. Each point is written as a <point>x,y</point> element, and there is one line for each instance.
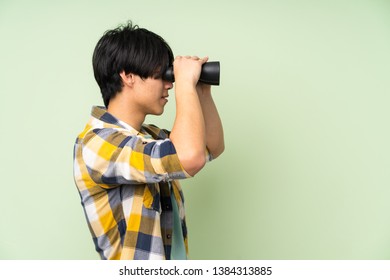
<point>125,178</point>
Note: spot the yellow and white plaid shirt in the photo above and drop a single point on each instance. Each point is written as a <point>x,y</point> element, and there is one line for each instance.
<point>125,178</point>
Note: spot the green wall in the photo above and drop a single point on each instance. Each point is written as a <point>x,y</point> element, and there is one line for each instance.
<point>304,97</point>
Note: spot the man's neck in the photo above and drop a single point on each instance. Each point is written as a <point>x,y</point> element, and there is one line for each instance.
<point>126,114</point>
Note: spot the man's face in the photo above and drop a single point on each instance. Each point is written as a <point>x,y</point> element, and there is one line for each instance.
<point>152,95</point>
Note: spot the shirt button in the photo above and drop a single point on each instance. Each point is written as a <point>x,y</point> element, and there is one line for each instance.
<point>168,236</point>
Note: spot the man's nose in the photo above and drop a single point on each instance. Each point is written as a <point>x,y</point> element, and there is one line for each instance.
<point>168,85</point>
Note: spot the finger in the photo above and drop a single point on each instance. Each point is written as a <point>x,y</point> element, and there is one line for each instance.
<point>204,59</point>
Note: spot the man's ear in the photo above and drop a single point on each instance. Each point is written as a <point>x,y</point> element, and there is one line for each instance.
<point>127,79</point>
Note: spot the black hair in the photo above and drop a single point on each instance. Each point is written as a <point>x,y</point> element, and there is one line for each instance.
<point>131,49</point>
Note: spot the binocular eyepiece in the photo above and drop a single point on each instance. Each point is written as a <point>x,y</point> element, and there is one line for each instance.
<point>209,74</point>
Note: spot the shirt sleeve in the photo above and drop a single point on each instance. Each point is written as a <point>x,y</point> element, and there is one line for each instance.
<point>163,134</point>
<point>114,156</point>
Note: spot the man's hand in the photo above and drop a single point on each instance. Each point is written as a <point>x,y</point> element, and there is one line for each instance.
<point>187,69</point>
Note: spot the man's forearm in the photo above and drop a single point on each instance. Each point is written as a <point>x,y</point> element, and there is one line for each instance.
<point>213,124</point>
<point>188,132</point>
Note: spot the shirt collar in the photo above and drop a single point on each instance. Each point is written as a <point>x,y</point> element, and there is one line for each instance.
<point>100,113</point>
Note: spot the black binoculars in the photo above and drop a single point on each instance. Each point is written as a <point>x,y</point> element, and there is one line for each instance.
<point>209,74</point>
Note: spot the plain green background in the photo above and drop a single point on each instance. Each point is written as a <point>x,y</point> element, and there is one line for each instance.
<point>304,98</point>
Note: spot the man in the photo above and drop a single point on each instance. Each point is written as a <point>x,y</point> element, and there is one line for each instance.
<point>126,171</point>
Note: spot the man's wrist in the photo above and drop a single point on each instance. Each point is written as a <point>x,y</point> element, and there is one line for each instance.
<point>185,88</point>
